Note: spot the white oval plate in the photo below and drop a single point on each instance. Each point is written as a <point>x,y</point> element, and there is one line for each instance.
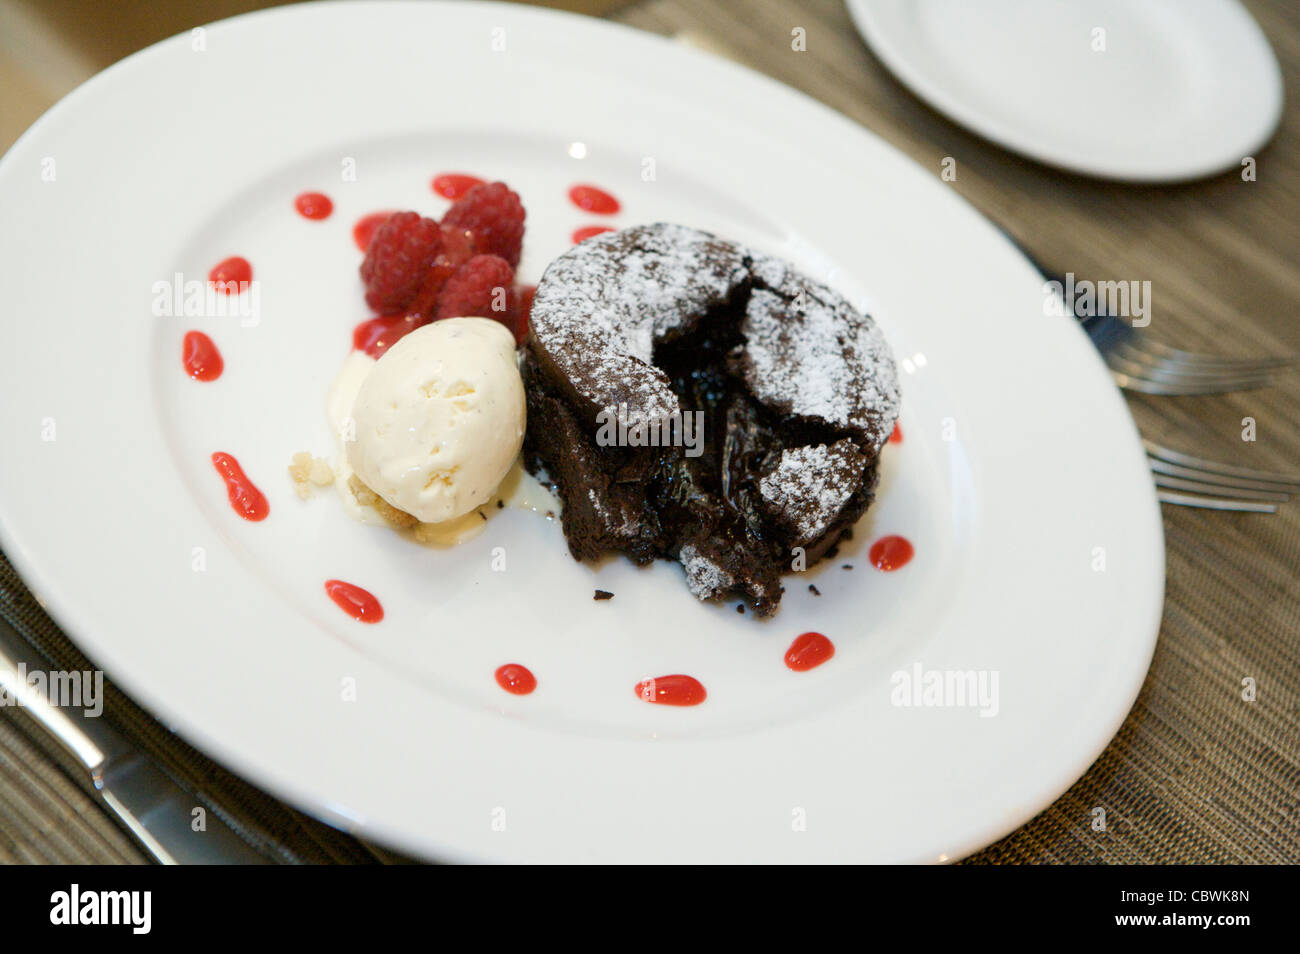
<point>1020,464</point>
<point>1157,91</point>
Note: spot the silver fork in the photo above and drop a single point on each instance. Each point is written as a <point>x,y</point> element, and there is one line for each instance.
<point>1195,482</point>
<point>1149,367</point>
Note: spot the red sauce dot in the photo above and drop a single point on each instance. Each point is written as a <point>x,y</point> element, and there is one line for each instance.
<point>676,690</point>
<point>200,356</point>
<point>897,436</point>
<point>453,185</point>
<point>890,553</point>
<point>808,652</point>
<point>314,205</point>
<point>591,199</point>
<point>232,275</point>
<point>358,603</point>
<point>245,498</point>
<point>365,228</point>
<point>518,322</point>
<point>377,335</point>
<point>517,679</point>
<point>588,231</point>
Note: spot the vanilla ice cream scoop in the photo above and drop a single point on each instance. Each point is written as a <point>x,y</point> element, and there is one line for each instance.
<point>440,418</point>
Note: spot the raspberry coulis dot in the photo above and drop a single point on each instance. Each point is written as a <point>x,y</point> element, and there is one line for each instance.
<point>523,312</point>
<point>231,275</point>
<point>591,199</point>
<point>896,436</point>
<point>358,603</point>
<point>453,185</point>
<point>314,205</point>
<point>674,690</point>
<point>808,651</point>
<point>200,357</point>
<point>365,228</point>
<point>589,231</point>
<point>890,553</point>
<point>376,335</point>
<point>516,679</point>
<point>247,501</point>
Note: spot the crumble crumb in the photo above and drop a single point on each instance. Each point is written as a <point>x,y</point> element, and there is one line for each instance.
<point>740,608</point>
<point>368,498</point>
<point>813,590</point>
<point>847,566</point>
<point>603,595</point>
<point>307,472</point>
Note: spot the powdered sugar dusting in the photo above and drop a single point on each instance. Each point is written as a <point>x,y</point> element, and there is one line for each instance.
<point>705,578</point>
<point>810,353</point>
<point>622,522</point>
<point>604,303</point>
<point>810,486</point>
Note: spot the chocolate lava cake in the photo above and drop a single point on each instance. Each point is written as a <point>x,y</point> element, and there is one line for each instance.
<point>798,392</point>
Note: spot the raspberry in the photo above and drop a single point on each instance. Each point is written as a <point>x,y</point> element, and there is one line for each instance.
<point>426,299</point>
<point>475,287</point>
<point>459,245</point>
<point>399,255</point>
<point>496,217</point>
<point>457,248</point>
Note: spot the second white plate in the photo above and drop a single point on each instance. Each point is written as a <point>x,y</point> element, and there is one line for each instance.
<point>1156,91</point>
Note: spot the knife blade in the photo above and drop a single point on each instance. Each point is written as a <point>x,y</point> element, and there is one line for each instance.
<point>161,816</point>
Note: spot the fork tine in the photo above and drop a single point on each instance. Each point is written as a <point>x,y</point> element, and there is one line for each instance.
<point>1145,386</point>
<point>1177,355</point>
<point>1288,481</point>
<point>1220,481</point>
<point>1214,503</point>
<point>1190,359</point>
<point>1139,356</point>
<point>1171,374</point>
<point>1205,487</point>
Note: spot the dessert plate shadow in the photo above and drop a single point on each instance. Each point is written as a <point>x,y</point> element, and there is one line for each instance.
<point>111,509</point>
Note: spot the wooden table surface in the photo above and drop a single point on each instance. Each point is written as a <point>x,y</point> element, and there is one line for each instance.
<point>1197,774</point>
